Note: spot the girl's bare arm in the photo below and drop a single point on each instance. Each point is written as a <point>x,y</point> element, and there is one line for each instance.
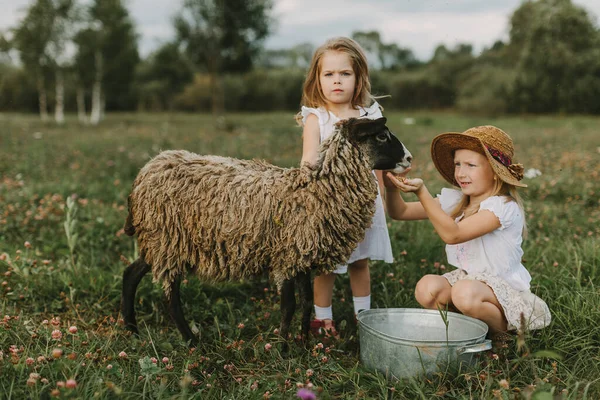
<point>395,205</point>
<point>450,232</point>
<point>311,138</point>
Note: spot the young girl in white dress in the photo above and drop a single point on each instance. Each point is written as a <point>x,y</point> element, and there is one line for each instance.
<point>337,87</point>
<point>482,224</point>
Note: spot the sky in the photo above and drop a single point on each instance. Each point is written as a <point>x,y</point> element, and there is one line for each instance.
<point>420,25</point>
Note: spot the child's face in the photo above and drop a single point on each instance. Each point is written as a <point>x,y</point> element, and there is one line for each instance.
<point>337,77</point>
<point>473,173</point>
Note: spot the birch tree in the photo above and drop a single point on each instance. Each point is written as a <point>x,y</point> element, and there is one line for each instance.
<point>31,38</point>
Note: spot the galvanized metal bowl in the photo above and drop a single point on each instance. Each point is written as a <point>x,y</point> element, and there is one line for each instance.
<point>408,342</point>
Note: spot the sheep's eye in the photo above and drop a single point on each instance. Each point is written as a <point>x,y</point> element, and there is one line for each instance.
<point>382,137</point>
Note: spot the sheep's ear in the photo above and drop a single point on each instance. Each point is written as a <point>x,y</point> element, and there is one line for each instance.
<point>362,127</point>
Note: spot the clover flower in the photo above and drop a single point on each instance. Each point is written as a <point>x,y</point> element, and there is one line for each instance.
<point>306,394</point>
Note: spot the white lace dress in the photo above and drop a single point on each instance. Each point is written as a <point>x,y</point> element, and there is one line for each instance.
<point>376,244</point>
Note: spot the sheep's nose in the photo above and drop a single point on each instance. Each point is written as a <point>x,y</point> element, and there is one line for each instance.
<point>409,159</point>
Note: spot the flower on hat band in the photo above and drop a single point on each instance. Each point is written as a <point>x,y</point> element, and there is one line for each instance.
<point>516,170</point>
<point>499,156</point>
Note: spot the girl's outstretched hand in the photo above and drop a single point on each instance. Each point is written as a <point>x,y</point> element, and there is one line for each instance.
<point>403,183</point>
<point>390,180</point>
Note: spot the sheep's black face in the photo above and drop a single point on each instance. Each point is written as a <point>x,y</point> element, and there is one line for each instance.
<point>378,143</point>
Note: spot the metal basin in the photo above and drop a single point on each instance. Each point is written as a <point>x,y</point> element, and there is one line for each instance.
<point>408,342</point>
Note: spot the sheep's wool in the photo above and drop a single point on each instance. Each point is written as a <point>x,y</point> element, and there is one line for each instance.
<point>226,218</point>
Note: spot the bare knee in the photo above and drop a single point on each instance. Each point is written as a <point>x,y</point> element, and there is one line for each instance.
<point>465,296</point>
<point>429,290</point>
<point>359,266</point>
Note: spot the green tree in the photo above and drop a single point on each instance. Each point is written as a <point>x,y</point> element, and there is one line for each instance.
<point>105,60</point>
<point>162,76</point>
<point>5,48</point>
<point>549,39</point>
<point>222,36</point>
<point>298,56</point>
<point>86,72</point>
<point>116,41</point>
<point>30,39</point>
<point>387,57</point>
<point>64,20</point>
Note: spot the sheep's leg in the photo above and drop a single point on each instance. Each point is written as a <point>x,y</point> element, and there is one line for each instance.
<point>176,312</point>
<point>288,307</point>
<point>131,278</point>
<point>305,290</point>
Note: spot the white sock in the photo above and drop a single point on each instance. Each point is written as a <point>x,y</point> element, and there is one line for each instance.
<point>361,303</point>
<point>323,312</point>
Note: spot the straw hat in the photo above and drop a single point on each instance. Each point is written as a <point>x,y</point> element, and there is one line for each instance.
<point>488,140</point>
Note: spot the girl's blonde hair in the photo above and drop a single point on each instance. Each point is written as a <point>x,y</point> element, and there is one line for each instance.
<point>312,93</point>
<point>501,188</point>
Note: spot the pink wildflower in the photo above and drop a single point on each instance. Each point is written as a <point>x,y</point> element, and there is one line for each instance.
<point>71,384</point>
<point>73,330</point>
<point>268,346</point>
<point>165,360</point>
<point>56,334</point>
<point>122,355</point>
<point>306,394</point>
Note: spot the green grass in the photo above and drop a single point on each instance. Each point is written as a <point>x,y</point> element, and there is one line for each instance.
<point>50,282</point>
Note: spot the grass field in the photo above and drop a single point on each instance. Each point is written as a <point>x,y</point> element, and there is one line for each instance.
<point>63,197</point>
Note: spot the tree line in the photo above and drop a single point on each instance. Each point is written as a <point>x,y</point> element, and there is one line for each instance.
<point>79,57</point>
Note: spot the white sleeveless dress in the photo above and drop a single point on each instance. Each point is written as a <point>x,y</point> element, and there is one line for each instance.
<point>376,244</point>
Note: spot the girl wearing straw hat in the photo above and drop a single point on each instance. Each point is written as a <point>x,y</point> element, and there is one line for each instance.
<point>482,225</point>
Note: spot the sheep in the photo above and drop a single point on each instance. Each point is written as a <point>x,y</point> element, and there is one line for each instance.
<point>227,219</point>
